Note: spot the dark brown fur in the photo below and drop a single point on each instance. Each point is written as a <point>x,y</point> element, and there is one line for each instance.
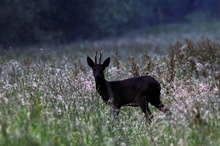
<point>136,91</point>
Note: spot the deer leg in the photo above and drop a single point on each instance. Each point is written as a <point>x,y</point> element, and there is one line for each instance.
<point>164,109</point>
<point>159,105</point>
<point>144,107</point>
<point>149,114</point>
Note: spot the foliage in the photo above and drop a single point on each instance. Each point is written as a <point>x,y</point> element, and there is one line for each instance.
<point>50,99</point>
<point>26,22</point>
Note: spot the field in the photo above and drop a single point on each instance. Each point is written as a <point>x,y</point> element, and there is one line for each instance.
<point>48,93</point>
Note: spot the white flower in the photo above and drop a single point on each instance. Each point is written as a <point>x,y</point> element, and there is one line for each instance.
<point>34,84</point>
<point>199,67</point>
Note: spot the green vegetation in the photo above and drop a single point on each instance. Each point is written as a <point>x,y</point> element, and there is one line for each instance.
<point>48,97</point>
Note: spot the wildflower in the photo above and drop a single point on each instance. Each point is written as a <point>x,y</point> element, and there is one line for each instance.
<point>34,84</point>
<point>199,67</point>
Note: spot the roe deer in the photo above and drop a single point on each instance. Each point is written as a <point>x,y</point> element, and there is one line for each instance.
<point>136,91</point>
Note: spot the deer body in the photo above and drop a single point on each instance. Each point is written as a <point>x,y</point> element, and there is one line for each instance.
<point>126,91</point>
<point>136,91</point>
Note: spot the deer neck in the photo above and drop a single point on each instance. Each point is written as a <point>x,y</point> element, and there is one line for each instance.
<point>102,86</point>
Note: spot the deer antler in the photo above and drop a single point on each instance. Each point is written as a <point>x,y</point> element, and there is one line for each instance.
<point>95,55</point>
<point>100,59</point>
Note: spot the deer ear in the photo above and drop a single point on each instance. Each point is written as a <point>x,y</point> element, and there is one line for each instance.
<point>106,62</point>
<point>90,62</point>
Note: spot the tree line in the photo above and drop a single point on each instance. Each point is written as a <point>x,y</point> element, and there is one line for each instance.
<point>25,22</point>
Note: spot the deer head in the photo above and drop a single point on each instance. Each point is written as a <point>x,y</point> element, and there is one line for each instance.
<point>98,68</point>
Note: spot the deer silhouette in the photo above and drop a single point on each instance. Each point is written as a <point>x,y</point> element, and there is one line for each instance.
<point>135,91</point>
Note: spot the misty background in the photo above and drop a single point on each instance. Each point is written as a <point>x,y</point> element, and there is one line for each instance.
<point>25,22</point>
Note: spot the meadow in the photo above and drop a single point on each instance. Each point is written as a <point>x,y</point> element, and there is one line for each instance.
<point>48,97</point>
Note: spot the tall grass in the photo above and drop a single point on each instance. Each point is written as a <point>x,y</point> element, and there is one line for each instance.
<point>50,99</point>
